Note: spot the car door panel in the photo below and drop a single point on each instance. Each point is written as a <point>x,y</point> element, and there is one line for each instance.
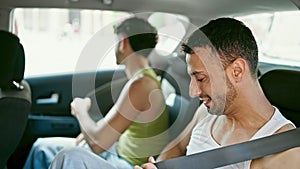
<point>51,96</point>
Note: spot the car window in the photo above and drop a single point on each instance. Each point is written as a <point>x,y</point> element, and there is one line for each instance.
<point>277,35</point>
<point>53,39</point>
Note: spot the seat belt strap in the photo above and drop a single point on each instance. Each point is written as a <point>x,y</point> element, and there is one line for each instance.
<point>235,153</point>
<point>297,3</point>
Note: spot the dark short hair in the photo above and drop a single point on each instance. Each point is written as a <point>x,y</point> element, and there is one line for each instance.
<point>141,34</point>
<point>231,38</point>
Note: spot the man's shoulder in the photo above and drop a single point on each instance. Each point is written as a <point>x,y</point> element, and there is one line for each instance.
<point>287,159</point>
<point>284,128</point>
<point>144,82</point>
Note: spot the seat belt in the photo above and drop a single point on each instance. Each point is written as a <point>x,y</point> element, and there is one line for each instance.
<point>235,153</point>
<point>297,3</point>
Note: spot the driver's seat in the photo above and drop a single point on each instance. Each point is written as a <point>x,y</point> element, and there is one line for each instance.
<point>15,95</point>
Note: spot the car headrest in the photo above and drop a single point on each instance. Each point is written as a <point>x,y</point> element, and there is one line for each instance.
<point>179,65</point>
<point>282,88</point>
<point>158,63</point>
<point>12,61</point>
<point>176,74</point>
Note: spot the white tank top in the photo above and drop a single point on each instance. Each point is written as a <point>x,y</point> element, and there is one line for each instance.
<point>201,139</point>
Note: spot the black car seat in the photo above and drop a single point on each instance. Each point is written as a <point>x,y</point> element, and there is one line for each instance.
<point>15,95</point>
<point>282,88</point>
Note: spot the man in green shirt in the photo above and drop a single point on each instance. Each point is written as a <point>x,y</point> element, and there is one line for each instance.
<point>139,117</point>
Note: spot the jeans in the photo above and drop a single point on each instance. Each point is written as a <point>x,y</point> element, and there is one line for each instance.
<point>44,150</point>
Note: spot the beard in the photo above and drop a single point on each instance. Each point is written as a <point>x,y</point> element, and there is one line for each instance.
<point>222,102</point>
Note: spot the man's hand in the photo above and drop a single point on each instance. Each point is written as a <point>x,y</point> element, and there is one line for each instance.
<point>80,105</point>
<point>80,140</point>
<point>149,165</point>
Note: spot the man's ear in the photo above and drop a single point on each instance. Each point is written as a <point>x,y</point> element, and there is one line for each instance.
<point>123,44</point>
<point>237,69</point>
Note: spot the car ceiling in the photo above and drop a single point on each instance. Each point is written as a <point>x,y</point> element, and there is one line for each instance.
<point>195,9</point>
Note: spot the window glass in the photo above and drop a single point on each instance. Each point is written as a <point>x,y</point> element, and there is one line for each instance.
<point>277,35</point>
<point>53,39</point>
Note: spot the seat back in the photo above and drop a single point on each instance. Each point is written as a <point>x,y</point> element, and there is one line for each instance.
<point>175,86</point>
<point>15,95</point>
<point>282,88</point>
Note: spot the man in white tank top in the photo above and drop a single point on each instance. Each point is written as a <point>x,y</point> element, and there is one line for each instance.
<point>222,59</point>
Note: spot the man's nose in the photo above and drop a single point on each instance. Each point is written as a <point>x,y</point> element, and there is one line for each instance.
<point>195,90</point>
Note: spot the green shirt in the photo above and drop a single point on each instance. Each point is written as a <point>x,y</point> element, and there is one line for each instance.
<point>142,140</point>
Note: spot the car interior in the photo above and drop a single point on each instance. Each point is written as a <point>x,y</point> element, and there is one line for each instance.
<point>42,30</point>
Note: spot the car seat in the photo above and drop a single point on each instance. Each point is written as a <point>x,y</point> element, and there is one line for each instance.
<point>175,86</point>
<point>15,95</point>
<point>282,88</point>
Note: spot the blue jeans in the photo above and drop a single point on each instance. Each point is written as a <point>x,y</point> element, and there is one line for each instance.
<point>44,150</point>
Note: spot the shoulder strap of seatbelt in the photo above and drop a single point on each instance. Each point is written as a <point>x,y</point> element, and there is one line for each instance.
<point>297,3</point>
<point>236,153</point>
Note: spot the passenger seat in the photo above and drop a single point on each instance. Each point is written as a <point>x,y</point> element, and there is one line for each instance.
<point>175,86</point>
<point>282,88</point>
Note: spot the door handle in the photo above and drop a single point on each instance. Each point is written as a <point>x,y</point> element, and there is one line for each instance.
<point>53,99</point>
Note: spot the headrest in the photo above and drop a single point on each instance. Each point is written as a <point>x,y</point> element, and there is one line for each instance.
<point>176,74</point>
<point>178,65</point>
<point>157,62</point>
<point>12,61</point>
<point>282,88</point>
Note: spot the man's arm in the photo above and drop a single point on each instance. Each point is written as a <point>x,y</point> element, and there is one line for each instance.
<point>287,159</point>
<point>136,99</point>
<point>177,147</point>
